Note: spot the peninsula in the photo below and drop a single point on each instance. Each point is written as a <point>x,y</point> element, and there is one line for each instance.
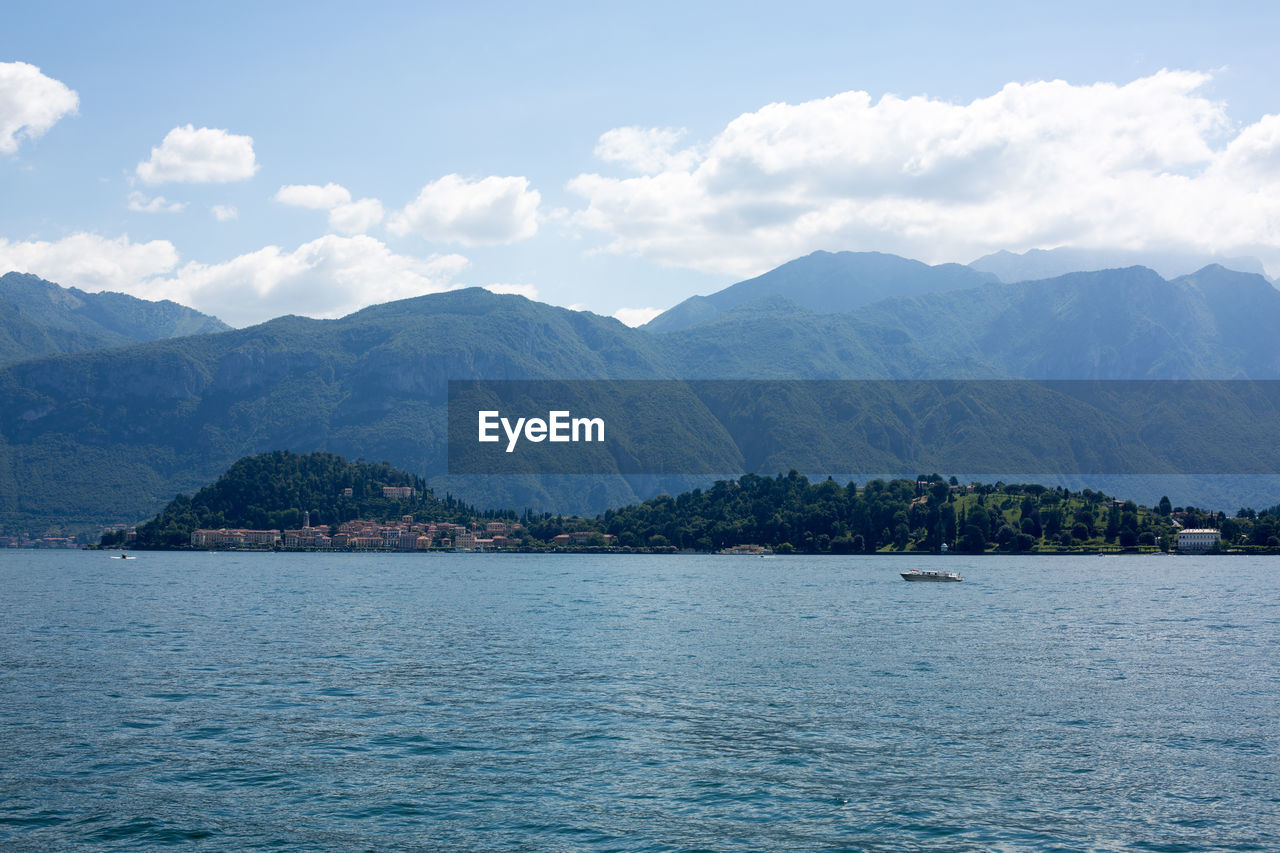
<point>283,500</point>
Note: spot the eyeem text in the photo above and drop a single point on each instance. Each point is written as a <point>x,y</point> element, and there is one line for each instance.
<point>558,426</point>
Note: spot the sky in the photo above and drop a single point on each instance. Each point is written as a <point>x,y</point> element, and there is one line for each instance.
<point>258,159</point>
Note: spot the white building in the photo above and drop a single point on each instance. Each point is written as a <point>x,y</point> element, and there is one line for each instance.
<point>238,538</point>
<point>1198,539</point>
<point>399,493</point>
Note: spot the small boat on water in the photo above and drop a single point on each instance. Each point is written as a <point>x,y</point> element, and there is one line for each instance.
<point>123,557</point>
<point>930,575</point>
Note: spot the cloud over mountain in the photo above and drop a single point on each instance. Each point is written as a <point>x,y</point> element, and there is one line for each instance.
<point>1147,164</point>
<point>89,261</point>
<point>327,277</point>
<point>345,216</point>
<point>313,196</point>
<point>140,203</point>
<point>645,149</point>
<point>199,155</point>
<point>488,211</point>
<point>30,103</point>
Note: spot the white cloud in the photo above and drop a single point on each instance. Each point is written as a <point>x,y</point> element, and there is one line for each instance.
<point>328,277</point>
<point>314,196</point>
<point>90,262</point>
<point>30,103</point>
<point>199,155</point>
<point>645,150</point>
<point>139,203</point>
<point>636,316</point>
<point>489,211</point>
<point>224,212</point>
<point>345,216</point>
<point>1150,164</point>
<point>528,291</point>
<point>357,217</point>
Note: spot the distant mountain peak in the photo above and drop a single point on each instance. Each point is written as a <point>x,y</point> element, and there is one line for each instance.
<point>828,283</point>
<point>49,319</point>
<point>1037,264</point>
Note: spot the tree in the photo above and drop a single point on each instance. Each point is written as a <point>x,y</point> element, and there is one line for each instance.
<point>1113,523</point>
<point>979,518</point>
<point>973,541</point>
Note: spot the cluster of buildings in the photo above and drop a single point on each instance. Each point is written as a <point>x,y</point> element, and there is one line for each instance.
<point>234,538</point>
<point>39,542</point>
<point>403,535</point>
<point>583,537</point>
<point>361,534</point>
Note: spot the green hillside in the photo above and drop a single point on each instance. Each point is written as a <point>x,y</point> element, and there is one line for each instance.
<point>788,512</point>
<point>110,436</point>
<point>826,283</point>
<point>792,513</point>
<point>272,490</point>
<point>39,318</point>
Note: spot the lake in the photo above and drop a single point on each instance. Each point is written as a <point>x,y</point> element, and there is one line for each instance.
<point>598,702</point>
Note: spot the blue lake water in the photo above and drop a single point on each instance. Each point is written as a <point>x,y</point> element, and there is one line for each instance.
<point>473,701</point>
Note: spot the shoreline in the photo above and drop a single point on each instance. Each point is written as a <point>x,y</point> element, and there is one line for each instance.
<point>1096,552</point>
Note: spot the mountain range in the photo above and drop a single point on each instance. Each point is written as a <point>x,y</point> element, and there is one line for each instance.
<point>1011,267</point>
<point>827,283</point>
<point>38,318</point>
<point>110,435</point>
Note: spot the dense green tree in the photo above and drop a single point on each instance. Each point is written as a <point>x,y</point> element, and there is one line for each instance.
<point>973,541</point>
<point>269,491</point>
<point>274,489</point>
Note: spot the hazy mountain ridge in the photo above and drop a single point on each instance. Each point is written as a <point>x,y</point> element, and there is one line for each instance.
<point>1110,324</point>
<point>111,435</point>
<point>132,426</point>
<point>828,283</point>
<point>1036,264</point>
<point>39,318</point>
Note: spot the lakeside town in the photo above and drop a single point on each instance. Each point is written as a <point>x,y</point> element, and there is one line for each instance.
<point>409,533</point>
<point>406,534</point>
<point>257,505</point>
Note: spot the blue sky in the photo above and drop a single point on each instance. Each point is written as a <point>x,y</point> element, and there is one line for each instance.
<point>252,160</point>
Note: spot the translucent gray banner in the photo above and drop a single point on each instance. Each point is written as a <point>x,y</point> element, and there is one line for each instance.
<point>726,427</point>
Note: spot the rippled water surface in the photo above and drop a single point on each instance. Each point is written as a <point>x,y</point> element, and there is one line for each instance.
<point>535,702</point>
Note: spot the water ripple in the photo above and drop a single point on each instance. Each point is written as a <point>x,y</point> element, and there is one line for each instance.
<point>302,702</point>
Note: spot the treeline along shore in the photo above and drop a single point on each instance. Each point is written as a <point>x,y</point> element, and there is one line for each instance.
<point>283,500</point>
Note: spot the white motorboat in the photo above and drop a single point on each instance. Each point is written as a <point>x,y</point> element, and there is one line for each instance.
<point>930,575</point>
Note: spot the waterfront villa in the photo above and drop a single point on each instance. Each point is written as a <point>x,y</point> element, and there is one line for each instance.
<point>1198,539</point>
